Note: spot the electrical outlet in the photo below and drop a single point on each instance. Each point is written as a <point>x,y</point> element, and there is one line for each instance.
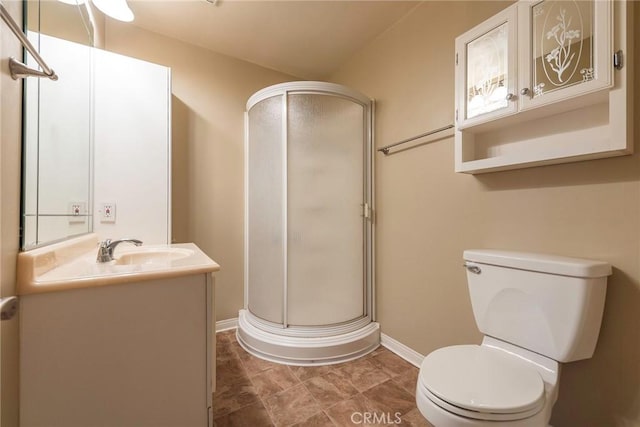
<point>77,212</point>
<point>107,212</point>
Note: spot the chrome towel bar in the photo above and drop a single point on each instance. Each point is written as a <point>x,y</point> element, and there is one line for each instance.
<point>386,148</point>
<point>18,69</point>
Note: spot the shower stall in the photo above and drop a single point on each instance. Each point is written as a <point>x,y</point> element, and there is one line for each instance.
<point>309,296</point>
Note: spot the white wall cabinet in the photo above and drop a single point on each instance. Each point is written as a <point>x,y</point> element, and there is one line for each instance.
<point>536,84</point>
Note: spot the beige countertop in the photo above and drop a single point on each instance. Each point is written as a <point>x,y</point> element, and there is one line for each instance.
<point>72,264</point>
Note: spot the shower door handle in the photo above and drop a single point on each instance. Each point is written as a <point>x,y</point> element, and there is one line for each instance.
<point>366,210</point>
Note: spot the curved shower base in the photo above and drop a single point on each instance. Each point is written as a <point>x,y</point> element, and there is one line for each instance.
<point>308,225</point>
<point>305,348</point>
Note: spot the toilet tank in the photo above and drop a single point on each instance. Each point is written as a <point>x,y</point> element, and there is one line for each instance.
<point>548,304</point>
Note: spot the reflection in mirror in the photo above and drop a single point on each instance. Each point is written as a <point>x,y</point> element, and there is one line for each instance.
<point>64,20</point>
<point>57,126</point>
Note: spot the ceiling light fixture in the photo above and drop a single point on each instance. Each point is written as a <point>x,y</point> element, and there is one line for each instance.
<point>116,9</point>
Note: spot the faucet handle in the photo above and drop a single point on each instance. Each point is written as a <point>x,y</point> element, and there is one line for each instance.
<point>104,243</point>
<point>106,248</point>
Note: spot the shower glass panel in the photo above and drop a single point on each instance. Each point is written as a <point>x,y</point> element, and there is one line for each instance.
<point>325,224</point>
<point>265,209</point>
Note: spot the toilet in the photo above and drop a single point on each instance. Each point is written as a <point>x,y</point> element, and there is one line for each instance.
<point>536,311</point>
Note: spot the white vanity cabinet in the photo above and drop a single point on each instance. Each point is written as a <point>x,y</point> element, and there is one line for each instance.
<point>131,354</point>
<point>540,69</point>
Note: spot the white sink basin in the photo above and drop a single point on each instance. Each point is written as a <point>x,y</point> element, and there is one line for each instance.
<point>148,256</point>
<point>71,264</point>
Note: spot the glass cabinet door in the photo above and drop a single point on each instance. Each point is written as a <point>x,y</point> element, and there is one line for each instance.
<point>485,70</point>
<point>565,49</point>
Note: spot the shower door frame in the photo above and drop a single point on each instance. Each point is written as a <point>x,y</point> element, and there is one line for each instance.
<point>368,105</point>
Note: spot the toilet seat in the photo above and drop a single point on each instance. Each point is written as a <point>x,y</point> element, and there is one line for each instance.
<point>481,382</point>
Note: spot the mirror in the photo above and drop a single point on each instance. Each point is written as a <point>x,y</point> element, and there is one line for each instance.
<point>57,141</point>
<point>65,20</point>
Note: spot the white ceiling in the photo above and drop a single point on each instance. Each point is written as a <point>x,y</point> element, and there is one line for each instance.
<point>308,39</point>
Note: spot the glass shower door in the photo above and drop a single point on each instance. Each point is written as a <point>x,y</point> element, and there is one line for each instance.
<point>265,223</point>
<point>325,192</point>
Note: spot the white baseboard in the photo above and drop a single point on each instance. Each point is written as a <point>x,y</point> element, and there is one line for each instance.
<point>396,347</point>
<point>225,325</point>
<point>408,354</point>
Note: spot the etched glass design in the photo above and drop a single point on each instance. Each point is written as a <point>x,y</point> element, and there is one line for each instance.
<point>562,44</point>
<point>487,72</point>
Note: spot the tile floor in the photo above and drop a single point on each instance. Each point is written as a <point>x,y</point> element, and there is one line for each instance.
<point>252,392</point>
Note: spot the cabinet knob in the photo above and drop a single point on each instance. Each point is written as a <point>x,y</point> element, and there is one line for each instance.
<point>524,91</point>
<point>510,97</point>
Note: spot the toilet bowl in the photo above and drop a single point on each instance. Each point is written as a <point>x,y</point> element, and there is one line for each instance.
<point>471,385</point>
<point>535,311</point>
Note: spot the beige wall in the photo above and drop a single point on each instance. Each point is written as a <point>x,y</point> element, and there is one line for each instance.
<point>427,215</point>
<point>210,92</point>
<point>10,149</point>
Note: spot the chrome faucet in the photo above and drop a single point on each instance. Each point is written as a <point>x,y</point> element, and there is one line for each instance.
<point>106,248</point>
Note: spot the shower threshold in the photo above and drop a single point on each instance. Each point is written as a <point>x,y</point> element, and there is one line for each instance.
<point>299,350</point>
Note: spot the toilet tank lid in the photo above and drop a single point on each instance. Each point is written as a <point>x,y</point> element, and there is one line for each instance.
<point>544,263</point>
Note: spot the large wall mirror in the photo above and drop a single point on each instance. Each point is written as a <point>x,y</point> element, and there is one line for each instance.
<point>57,137</point>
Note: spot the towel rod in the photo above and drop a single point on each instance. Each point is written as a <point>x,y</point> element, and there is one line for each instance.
<point>18,69</point>
<point>386,148</point>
